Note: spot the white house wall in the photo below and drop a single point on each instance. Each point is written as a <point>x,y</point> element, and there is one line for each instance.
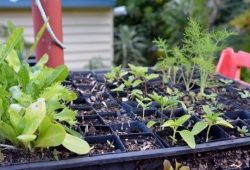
<point>87,33</point>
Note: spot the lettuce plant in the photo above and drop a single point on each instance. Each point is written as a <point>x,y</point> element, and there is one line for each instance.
<point>33,102</point>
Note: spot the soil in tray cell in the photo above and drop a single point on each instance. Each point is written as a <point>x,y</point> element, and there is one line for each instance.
<point>128,128</point>
<point>93,120</point>
<point>240,129</point>
<point>85,111</point>
<point>149,114</point>
<point>96,130</point>
<point>116,118</point>
<point>107,107</point>
<point>139,143</point>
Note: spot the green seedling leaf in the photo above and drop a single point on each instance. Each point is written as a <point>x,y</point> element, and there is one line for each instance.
<point>151,123</point>
<point>76,144</point>
<point>8,132</point>
<point>120,88</point>
<point>167,165</point>
<point>224,123</point>
<point>65,115</point>
<point>207,110</point>
<point>23,77</point>
<point>12,41</point>
<point>20,45</point>
<point>152,76</point>
<point>34,115</point>
<point>53,135</point>
<point>58,75</point>
<point>55,155</point>
<point>198,127</point>
<point>168,123</point>
<point>26,138</point>
<point>72,132</point>
<point>136,91</point>
<point>188,137</point>
<point>17,121</point>
<point>13,60</point>
<point>38,37</point>
<point>110,144</point>
<point>182,119</point>
<point>136,83</point>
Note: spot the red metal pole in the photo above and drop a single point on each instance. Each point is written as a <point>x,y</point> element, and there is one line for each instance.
<point>53,10</point>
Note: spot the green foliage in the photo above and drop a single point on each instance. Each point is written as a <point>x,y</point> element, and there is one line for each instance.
<point>129,46</point>
<point>33,102</point>
<point>115,74</point>
<point>144,105</point>
<point>186,135</point>
<point>211,119</point>
<point>243,131</point>
<point>178,166</point>
<point>245,94</point>
<point>110,144</point>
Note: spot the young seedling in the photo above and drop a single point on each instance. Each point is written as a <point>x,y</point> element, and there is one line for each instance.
<point>243,131</point>
<point>178,166</point>
<point>110,144</point>
<point>116,74</point>
<point>245,94</point>
<point>118,89</point>
<point>186,135</point>
<point>131,82</point>
<point>165,102</point>
<point>175,93</point>
<point>144,106</point>
<point>226,81</point>
<point>141,73</point>
<point>210,119</point>
<point>211,96</point>
<point>55,154</point>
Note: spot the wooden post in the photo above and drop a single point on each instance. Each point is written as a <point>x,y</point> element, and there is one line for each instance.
<point>53,10</point>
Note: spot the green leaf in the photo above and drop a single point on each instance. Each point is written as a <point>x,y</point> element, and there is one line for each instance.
<point>21,97</point>
<point>152,76</point>
<point>26,138</point>
<point>120,88</point>
<point>72,132</point>
<point>182,119</point>
<point>53,135</point>
<point>23,77</point>
<point>167,165</point>
<point>198,127</point>
<point>188,137</point>
<point>151,123</point>
<point>76,144</point>
<point>38,36</point>
<point>224,123</point>
<point>8,132</point>
<point>58,75</point>
<point>137,82</point>
<point>168,123</point>
<point>13,60</point>
<point>44,124</point>
<point>12,41</point>
<point>17,122</point>
<point>207,110</point>
<point>136,91</point>
<point>34,115</point>
<point>20,44</point>
<point>65,115</point>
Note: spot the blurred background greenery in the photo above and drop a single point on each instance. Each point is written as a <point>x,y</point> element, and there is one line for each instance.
<point>149,19</point>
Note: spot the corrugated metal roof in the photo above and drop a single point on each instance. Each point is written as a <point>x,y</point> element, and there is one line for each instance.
<point>65,3</point>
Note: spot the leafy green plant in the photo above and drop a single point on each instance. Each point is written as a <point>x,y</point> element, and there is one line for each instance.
<point>174,93</point>
<point>144,102</point>
<point>131,82</point>
<point>118,89</point>
<point>186,135</point>
<point>129,46</point>
<point>211,96</point>
<point>165,102</point>
<point>141,73</point>
<point>243,131</point>
<point>33,102</point>
<point>115,74</point>
<point>245,94</point>
<point>211,119</point>
<point>226,81</point>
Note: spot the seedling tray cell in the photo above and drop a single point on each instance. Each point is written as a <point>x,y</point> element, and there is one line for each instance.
<point>129,127</point>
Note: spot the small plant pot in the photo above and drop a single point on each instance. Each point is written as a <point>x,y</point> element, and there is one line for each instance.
<point>99,145</point>
<point>79,102</point>
<point>118,96</point>
<point>129,106</point>
<point>234,133</point>
<point>176,113</point>
<point>191,122</point>
<point>156,127</point>
<point>95,130</point>
<point>129,127</point>
<point>140,142</point>
<point>243,115</point>
<point>116,118</point>
<point>81,74</point>
<point>215,134</point>
<point>149,114</point>
<point>164,136</point>
<point>107,107</point>
<point>84,111</point>
<point>90,120</point>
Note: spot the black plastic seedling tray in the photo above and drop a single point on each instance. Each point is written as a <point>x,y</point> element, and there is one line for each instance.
<point>150,159</point>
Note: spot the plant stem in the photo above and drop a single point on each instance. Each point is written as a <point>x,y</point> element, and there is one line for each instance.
<point>173,142</point>
<point>143,112</point>
<point>208,130</point>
